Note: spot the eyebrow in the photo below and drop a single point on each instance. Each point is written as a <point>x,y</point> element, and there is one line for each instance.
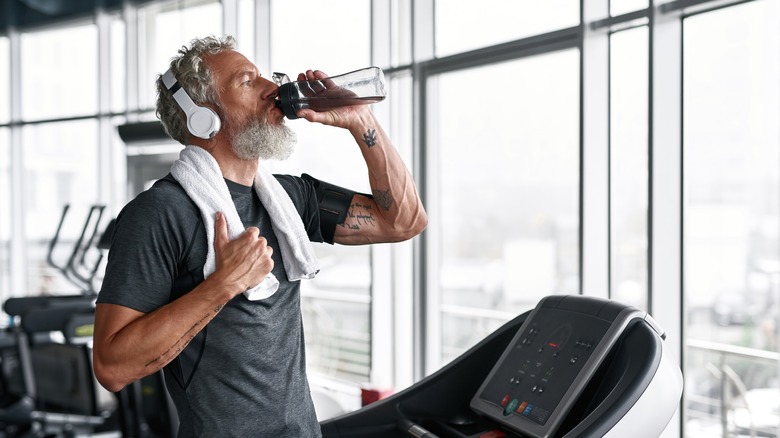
<point>244,72</point>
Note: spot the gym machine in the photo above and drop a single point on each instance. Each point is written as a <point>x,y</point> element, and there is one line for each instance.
<point>47,384</point>
<point>573,366</point>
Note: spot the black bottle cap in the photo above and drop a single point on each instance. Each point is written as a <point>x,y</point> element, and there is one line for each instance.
<point>285,102</point>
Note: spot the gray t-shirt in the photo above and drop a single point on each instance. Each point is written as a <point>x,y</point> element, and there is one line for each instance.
<point>245,373</point>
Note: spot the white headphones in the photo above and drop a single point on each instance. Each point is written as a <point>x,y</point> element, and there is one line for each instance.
<point>202,122</point>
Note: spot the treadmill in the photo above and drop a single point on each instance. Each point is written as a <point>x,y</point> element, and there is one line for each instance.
<point>574,366</point>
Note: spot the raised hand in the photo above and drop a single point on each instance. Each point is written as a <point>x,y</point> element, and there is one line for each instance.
<point>244,262</point>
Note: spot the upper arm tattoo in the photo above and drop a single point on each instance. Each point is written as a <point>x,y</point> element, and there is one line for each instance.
<point>358,216</point>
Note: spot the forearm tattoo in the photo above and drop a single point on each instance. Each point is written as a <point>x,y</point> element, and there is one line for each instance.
<point>369,137</point>
<point>159,362</point>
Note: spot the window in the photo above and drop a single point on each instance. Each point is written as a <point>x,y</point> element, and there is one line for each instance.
<point>118,65</point>
<point>168,27</point>
<point>731,106</point>
<point>5,214</point>
<point>311,41</point>
<point>245,34</point>
<point>59,73</point>
<point>629,166</point>
<point>58,80</point>
<point>60,168</point>
<point>336,304</point>
<point>5,170</point>
<point>508,192</point>
<point>618,7</point>
<point>463,25</point>
<point>401,32</point>
<point>5,80</point>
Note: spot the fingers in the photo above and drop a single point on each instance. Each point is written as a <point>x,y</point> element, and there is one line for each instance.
<point>317,81</point>
<point>258,257</point>
<point>256,245</point>
<point>244,261</point>
<point>253,232</point>
<point>253,243</point>
<point>220,231</point>
<point>323,80</point>
<point>312,75</point>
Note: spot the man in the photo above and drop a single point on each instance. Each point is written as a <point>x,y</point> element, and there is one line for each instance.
<point>234,366</point>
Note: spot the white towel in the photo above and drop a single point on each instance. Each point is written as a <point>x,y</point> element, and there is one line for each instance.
<point>200,176</point>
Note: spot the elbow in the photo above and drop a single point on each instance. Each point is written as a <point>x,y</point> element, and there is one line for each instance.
<point>107,379</point>
<point>420,224</point>
<point>413,228</point>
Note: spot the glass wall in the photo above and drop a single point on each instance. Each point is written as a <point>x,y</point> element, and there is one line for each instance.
<point>300,42</point>
<point>508,192</point>
<point>731,211</point>
<point>71,91</point>
<point>166,27</point>
<point>5,214</point>
<point>618,7</point>
<point>628,164</point>
<point>60,168</point>
<point>5,80</point>
<point>463,25</point>
<point>60,158</point>
<point>5,170</point>
<point>337,304</point>
<point>118,85</point>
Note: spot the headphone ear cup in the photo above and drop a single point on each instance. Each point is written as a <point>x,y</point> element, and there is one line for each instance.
<point>203,122</point>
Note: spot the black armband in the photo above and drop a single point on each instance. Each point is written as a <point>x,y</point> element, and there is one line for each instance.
<point>334,203</point>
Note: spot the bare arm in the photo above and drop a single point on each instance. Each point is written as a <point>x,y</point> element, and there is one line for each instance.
<point>396,212</point>
<point>129,345</point>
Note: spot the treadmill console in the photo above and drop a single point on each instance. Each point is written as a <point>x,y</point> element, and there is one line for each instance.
<point>549,362</point>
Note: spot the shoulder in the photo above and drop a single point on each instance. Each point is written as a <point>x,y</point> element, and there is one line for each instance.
<point>301,191</point>
<point>153,235</point>
<point>303,194</point>
<point>294,184</point>
<point>165,198</point>
<point>163,192</point>
<point>163,210</point>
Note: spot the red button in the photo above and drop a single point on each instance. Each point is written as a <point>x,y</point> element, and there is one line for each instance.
<point>492,434</point>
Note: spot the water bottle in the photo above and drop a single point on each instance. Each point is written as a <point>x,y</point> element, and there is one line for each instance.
<point>359,87</point>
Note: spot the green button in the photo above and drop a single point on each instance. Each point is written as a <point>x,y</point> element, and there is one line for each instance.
<point>511,407</point>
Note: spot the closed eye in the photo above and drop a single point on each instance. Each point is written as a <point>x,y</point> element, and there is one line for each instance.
<point>245,78</point>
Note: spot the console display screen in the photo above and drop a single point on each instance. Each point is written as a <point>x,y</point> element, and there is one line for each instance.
<point>540,368</point>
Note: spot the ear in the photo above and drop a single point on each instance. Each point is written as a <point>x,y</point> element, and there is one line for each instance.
<point>202,122</point>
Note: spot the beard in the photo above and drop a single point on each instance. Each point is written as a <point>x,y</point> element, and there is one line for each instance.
<point>259,139</point>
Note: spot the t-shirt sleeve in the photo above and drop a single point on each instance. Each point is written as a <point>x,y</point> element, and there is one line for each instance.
<point>304,197</point>
<point>147,244</point>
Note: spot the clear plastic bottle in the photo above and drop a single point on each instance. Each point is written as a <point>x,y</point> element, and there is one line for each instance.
<point>359,87</point>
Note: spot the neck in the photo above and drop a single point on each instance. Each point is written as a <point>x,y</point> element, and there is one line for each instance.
<point>233,168</point>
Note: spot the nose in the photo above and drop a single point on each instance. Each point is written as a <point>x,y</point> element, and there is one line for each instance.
<point>270,90</point>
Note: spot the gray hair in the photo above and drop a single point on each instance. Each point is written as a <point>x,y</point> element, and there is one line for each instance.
<point>195,77</point>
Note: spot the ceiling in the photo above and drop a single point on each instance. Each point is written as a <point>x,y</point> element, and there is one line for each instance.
<point>23,14</point>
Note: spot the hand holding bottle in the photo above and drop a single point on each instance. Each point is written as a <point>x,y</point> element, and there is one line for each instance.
<point>359,87</point>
